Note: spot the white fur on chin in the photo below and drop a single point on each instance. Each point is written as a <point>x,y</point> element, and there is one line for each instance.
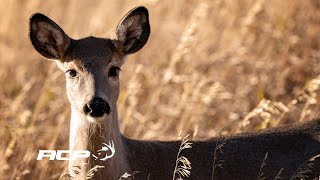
<point>96,119</point>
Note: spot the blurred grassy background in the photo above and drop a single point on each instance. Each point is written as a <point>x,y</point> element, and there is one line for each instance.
<point>209,68</point>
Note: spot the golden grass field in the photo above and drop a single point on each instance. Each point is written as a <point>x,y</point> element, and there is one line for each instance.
<point>209,68</point>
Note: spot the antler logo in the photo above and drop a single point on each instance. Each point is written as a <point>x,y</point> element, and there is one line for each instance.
<point>106,148</point>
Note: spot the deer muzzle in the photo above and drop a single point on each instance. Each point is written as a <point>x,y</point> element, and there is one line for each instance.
<point>97,107</point>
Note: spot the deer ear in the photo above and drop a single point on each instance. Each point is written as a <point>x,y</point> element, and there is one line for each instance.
<point>133,30</point>
<point>47,37</point>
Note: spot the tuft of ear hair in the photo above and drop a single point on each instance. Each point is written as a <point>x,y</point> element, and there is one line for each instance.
<point>133,30</point>
<point>47,37</point>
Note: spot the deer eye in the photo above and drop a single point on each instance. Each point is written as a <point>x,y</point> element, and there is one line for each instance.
<point>114,71</point>
<point>72,73</point>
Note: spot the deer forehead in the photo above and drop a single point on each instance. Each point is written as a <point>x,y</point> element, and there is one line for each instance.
<point>91,53</point>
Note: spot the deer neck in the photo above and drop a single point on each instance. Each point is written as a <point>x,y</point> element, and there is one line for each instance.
<point>87,135</point>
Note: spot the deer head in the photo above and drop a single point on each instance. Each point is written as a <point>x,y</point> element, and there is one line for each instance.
<point>91,65</point>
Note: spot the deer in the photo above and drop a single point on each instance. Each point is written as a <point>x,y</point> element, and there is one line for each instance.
<point>92,66</point>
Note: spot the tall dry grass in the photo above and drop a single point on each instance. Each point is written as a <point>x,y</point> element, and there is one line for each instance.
<point>209,68</point>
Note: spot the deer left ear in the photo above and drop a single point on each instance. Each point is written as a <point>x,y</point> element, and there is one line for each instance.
<point>133,30</point>
<point>47,37</point>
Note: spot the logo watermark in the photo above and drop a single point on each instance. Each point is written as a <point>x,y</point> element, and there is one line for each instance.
<point>107,151</point>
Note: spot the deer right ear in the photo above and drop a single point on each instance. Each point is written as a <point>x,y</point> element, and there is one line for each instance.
<point>47,37</point>
<point>133,30</point>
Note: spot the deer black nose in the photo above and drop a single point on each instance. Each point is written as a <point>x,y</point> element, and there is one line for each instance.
<point>97,107</point>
